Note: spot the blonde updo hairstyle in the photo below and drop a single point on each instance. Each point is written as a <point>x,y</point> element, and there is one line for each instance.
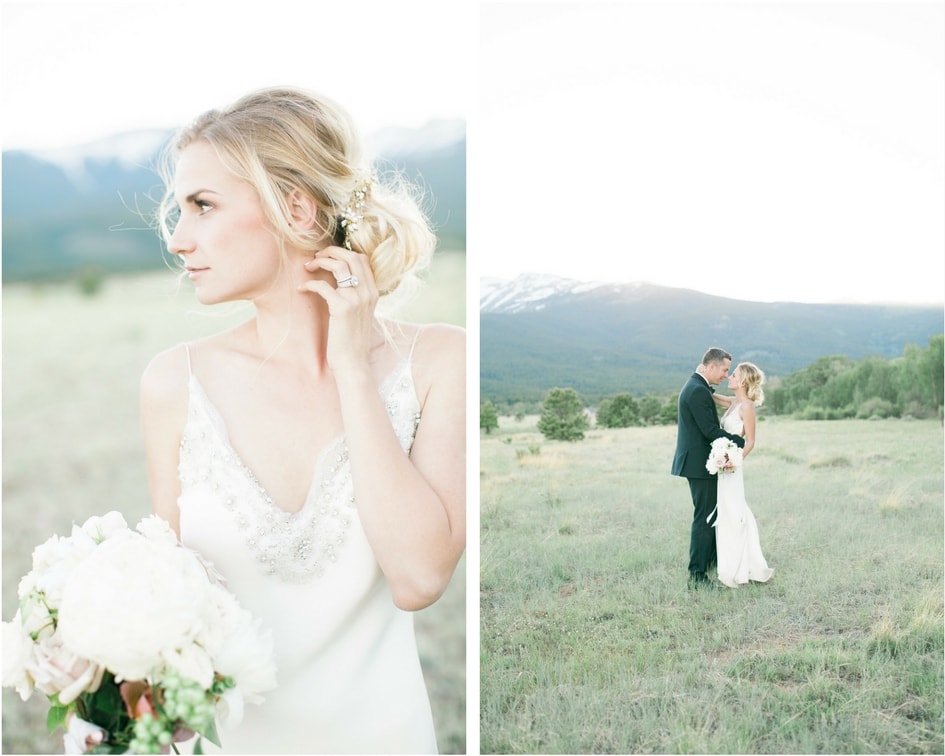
<point>752,378</point>
<point>282,140</point>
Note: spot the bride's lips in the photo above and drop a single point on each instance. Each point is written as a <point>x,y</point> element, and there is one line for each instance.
<point>193,273</point>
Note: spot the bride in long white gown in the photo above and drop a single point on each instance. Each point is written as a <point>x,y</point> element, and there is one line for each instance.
<point>738,544</point>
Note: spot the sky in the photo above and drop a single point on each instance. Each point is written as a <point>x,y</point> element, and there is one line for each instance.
<point>758,150</point>
<point>766,151</point>
<point>74,72</point>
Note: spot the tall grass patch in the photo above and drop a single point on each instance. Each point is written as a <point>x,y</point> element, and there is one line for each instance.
<point>591,642</point>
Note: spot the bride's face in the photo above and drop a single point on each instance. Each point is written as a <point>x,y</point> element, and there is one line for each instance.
<point>735,379</point>
<point>223,237</point>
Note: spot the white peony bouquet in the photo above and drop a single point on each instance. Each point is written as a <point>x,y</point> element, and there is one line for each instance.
<point>134,634</point>
<point>724,452</point>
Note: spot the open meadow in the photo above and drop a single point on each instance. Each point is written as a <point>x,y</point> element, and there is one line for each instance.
<point>590,641</point>
<point>72,446</point>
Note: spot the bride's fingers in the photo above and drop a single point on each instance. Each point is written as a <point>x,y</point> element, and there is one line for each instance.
<point>342,263</point>
<point>338,268</point>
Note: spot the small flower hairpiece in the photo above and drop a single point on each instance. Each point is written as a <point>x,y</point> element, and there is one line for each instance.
<point>353,212</point>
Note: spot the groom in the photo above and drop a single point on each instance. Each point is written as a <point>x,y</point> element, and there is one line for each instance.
<point>698,427</point>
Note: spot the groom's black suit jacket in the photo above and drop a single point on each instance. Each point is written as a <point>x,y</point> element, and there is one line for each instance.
<point>698,428</point>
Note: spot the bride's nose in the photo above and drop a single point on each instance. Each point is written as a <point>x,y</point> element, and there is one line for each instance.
<point>180,242</point>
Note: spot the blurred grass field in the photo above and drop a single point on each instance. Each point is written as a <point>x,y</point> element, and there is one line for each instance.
<point>590,641</point>
<point>72,445</point>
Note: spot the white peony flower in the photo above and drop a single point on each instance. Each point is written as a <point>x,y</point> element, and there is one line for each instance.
<point>192,662</point>
<point>52,563</point>
<point>17,649</point>
<point>37,622</point>
<point>246,653</point>
<point>229,708</point>
<point>102,528</point>
<point>157,529</point>
<point>130,601</point>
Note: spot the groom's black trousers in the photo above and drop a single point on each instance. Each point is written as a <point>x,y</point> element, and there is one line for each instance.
<point>702,554</point>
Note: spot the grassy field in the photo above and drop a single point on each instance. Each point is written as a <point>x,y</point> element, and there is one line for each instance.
<point>72,445</point>
<point>590,641</point>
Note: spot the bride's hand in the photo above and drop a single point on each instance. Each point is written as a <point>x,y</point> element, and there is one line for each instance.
<point>81,736</point>
<point>351,303</point>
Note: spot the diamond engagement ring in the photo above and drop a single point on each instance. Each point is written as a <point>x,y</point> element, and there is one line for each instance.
<point>349,281</point>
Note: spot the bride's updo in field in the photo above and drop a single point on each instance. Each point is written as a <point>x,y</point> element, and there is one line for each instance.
<point>752,378</point>
<point>281,140</point>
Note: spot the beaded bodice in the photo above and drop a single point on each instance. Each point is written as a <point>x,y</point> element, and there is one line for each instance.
<point>293,547</point>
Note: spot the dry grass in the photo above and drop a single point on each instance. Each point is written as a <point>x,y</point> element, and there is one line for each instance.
<point>590,642</point>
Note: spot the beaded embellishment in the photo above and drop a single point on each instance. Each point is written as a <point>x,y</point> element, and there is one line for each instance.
<point>353,212</point>
<point>293,547</point>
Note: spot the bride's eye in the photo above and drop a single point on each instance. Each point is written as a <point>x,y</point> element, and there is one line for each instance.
<point>203,206</point>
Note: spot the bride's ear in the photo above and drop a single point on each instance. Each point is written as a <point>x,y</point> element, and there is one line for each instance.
<point>304,210</point>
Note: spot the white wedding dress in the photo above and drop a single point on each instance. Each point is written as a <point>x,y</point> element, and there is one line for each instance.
<point>349,675</point>
<point>736,533</point>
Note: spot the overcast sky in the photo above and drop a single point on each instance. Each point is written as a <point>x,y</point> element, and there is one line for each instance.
<point>764,151</point>
<point>757,150</point>
<point>77,71</point>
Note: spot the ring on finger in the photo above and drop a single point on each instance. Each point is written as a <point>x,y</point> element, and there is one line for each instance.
<point>351,280</point>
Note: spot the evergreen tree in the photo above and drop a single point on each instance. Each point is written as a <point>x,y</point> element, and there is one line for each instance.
<point>620,412</point>
<point>650,408</point>
<point>562,416</point>
<point>488,419</point>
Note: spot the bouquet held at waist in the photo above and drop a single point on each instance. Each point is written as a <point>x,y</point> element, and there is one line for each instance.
<point>724,457</point>
<point>134,639</point>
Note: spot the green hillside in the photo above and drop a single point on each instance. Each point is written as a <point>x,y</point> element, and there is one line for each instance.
<point>605,342</point>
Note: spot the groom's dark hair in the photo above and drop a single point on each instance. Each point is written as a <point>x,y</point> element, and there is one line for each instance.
<point>714,354</point>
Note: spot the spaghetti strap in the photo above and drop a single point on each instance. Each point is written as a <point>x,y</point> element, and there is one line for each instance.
<point>416,337</point>
<point>190,370</point>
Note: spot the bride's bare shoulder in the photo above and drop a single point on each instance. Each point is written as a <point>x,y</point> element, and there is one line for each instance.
<point>167,373</point>
<point>438,353</point>
<point>425,341</point>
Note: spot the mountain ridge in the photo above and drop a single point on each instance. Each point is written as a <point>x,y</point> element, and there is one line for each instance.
<point>539,332</point>
<point>61,208</point>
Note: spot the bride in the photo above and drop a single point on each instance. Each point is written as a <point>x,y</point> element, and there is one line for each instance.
<point>736,533</point>
<point>315,453</point>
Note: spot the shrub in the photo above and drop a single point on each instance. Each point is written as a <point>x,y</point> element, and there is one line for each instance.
<point>876,407</point>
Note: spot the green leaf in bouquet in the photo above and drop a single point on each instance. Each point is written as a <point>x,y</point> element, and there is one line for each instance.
<point>106,709</point>
<point>56,716</point>
<point>210,733</point>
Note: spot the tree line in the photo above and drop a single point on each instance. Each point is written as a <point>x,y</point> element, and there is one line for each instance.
<point>831,388</point>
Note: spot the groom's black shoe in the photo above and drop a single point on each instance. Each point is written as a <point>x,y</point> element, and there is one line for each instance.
<point>698,581</point>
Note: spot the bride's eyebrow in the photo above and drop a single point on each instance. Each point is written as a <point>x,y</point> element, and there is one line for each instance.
<point>193,195</point>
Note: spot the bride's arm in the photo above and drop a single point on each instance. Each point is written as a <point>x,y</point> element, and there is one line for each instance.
<point>723,401</point>
<point>747,410</point>
<point>163,413</point>
<point>413,509</point>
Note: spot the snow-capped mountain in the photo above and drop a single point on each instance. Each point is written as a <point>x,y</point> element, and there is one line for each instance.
<point>528,291</point>
<point>536,291</point>
<point>131,151</point>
